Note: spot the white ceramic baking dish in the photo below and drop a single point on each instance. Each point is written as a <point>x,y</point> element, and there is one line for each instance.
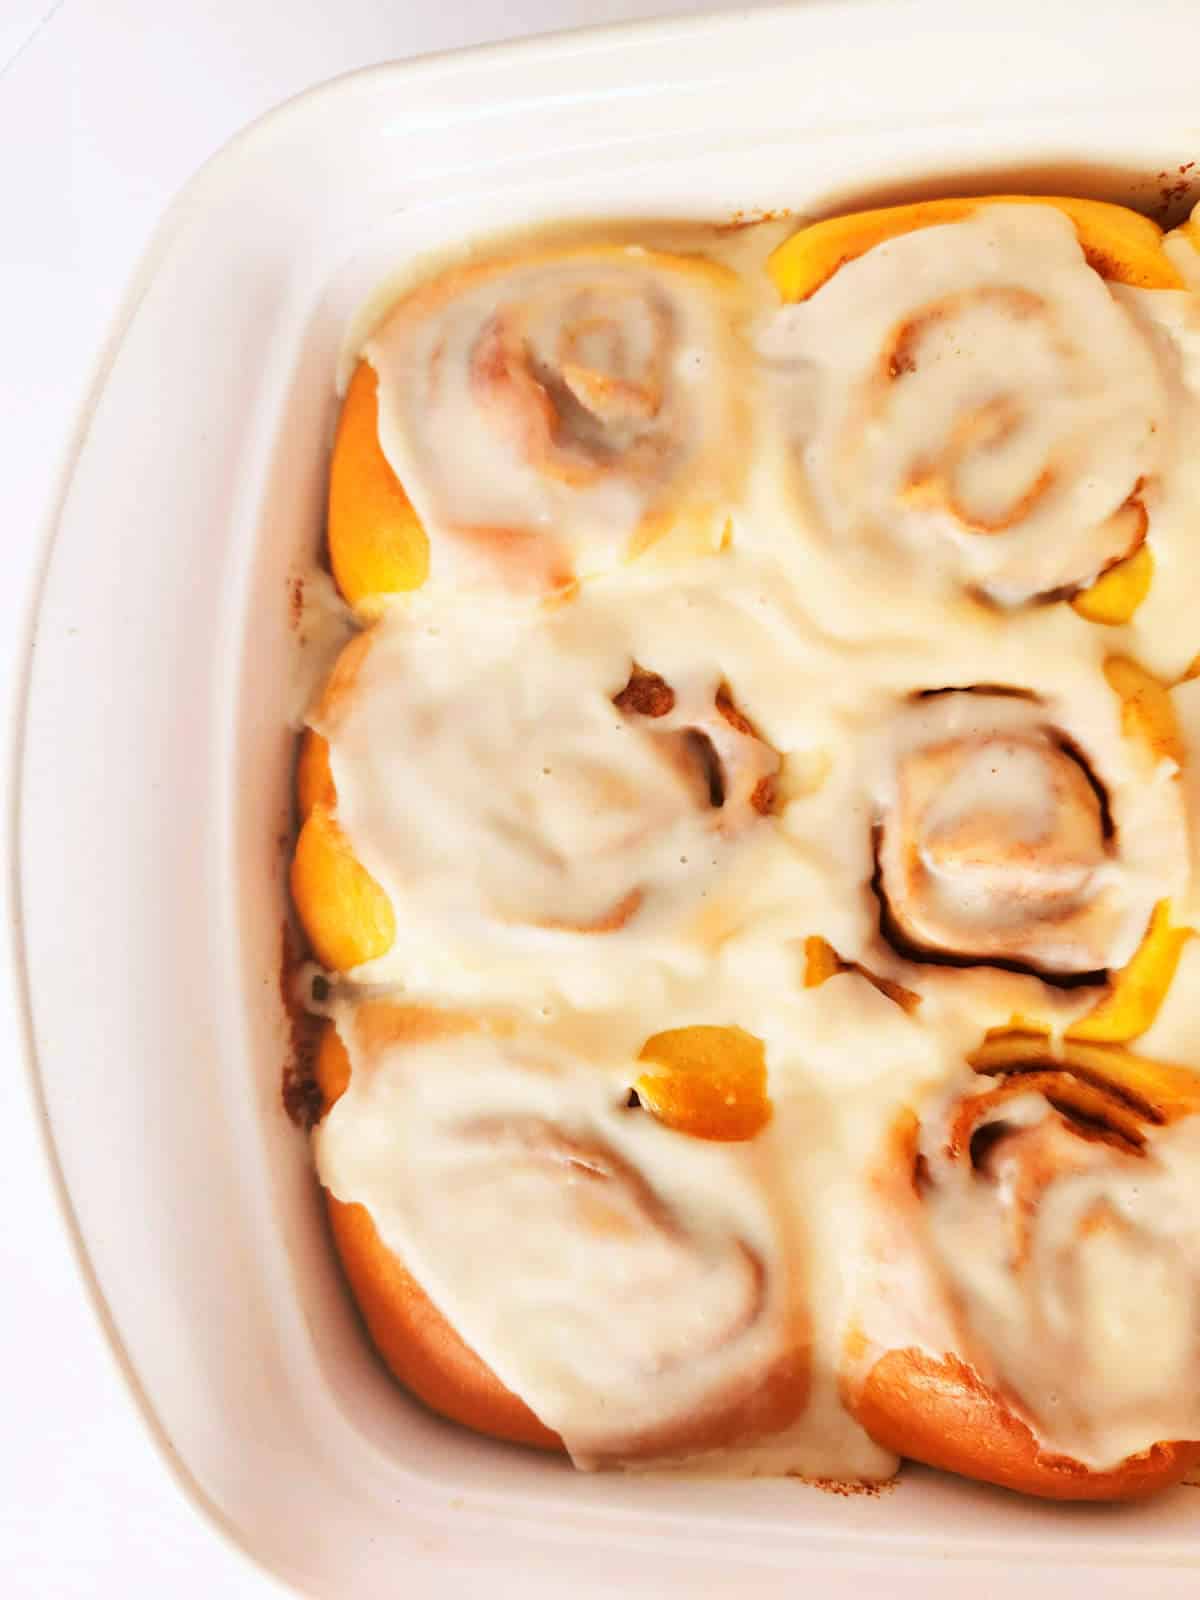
<point>156,763</point>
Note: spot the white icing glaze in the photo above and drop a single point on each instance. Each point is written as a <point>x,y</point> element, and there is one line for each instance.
<point>1182,247</point>
<point>994,837</point>
<point>589,399</point>
<point>1164,633</point>
<point>513,812</point>
<point>489,784</point>
<point>1185,702</point>
<point>623,1279</point>
<point>1077,1268</point>
<point>322,624</point>
<point>980,400</point>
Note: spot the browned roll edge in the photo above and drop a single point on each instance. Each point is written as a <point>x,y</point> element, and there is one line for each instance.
<point>412,1336</point>
<point>941,1413</point>
<point>424,1350</point>
<point>419,1346</point>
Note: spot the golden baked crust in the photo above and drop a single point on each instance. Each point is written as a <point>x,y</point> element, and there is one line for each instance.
<point>414,1339</point>
<point>418,1345</point>
<point>423,1349</point>
<point>940,1413</point>
<point>937,1409</point>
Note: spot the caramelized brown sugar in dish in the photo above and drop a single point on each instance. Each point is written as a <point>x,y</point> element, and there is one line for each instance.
<point>747,848</point>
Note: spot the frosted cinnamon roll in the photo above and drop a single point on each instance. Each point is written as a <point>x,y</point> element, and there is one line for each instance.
<point>540,1260</point>
<point>1036,1317</point>
<point>973,398</point>
<point>1002,839</point>
<point>520,423</point>
<point>491,784</point>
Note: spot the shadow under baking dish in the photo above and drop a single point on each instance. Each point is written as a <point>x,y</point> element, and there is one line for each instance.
<point>155,799</point>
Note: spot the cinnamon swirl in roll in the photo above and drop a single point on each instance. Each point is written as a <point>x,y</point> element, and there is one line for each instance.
<point>981,404</point>
<point>1036,1317</point>
<point>997,844</point>
<point>531,1235</point>
<point>517,424</point>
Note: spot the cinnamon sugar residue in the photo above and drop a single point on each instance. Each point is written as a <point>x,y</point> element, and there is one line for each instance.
<point>1174,185</point>
<point>645,695</point>
<point>833,1486</point>
<point>736,718</point>
<point>295,603</point>
<point>763,797</point>
<point>299,1090</point>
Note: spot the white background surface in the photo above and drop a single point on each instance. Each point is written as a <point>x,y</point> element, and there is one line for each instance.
<point>105,111</point>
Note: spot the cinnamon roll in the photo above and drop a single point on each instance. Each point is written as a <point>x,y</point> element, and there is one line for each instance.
<point>979,401</point>
<point>1035,1321</point>
<point>475,783</point>
<point>514,425</point>
<point>1002,841</point>
<point>544,1263</point>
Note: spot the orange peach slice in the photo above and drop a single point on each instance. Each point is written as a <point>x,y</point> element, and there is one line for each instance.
<point>377,546</point>
<point>1117,593</point>
<point>1146,710</point>
<point>1139,989</point>
<point>705,1081</point>
<point>1120,244</point>
<point>822,962</point>
<point>1134,997</point>
<point>346,915</point>
<point>1158,1091</point>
